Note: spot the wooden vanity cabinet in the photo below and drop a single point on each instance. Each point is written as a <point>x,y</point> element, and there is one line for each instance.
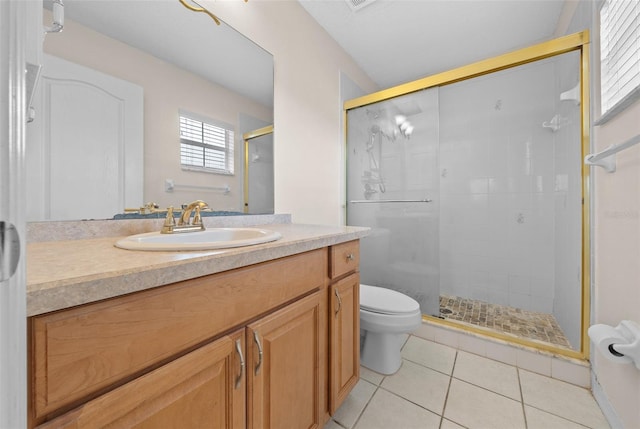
<point>284,368</point>
<point>199,388</point>
<point>242,348</point>
<point>344,322</point>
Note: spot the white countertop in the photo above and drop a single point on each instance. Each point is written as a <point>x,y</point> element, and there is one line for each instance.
<point>66,273</point>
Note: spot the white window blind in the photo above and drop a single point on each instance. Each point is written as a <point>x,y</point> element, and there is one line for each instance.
<point>619,52</point>
<point>205,144</point>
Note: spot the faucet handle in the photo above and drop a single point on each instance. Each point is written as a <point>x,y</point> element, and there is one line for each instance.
<point>169,222</point>
<point>197,219</point>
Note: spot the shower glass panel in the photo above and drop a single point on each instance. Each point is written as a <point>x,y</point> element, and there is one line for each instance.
<point>499,245</point>
<point>259,174</point>
<point>510,198</point>
<point>392,187</point>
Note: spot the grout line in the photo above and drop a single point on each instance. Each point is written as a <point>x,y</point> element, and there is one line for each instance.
<point>411,402</point>
<point>446,396</point>
<point>524,413</point>
<point>368,402</point>
<point>488,389</point>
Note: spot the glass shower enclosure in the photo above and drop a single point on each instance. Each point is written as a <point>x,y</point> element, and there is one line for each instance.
<point>473,190</point>
<point>393,187</point>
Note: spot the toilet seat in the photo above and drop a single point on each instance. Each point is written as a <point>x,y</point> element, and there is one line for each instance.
<point>386,301</point>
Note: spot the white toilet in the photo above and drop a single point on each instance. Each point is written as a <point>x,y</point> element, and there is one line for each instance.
<point>385,315</point>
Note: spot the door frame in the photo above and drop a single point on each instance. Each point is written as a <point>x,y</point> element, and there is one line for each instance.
<point>15,18</point>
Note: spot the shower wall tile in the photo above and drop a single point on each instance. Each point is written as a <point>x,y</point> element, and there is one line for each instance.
<point>479,294</point>
<point>500,174</point>
<point>542,304</point>
<point>499,297</point>
<point>478,185</point>
<point>519,284</point>
<point>543,286</point>
<point>519,300</point>
<point>499,282</point>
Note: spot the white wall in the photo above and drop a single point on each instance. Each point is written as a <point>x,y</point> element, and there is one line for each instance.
<point>615,236</point>
<point>307,113</point>
<point>616,285</point>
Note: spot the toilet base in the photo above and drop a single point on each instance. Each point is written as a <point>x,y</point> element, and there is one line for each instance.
<point>381,352</point>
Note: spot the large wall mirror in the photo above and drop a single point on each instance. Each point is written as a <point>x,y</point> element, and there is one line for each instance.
<point>107,131</point>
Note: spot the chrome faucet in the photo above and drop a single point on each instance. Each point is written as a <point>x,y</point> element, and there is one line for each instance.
<point>183,224</point>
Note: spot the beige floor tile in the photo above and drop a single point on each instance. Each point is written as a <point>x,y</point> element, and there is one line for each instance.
<point>332,425</point>
<point>562,399</point>
<point>488,373</point>
<point>420,385</point>
<point>371,376</point>
<point>448,424</point>
<point>477,408</point>
<point>538,419</point>
<point>387,411</point>
<point>352,407</point>
<point>429,354</point>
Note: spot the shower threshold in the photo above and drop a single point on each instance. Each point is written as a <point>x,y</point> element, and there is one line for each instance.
<point>501,318</point>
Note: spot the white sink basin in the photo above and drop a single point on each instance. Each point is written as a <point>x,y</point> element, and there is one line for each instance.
<point>213,238</point>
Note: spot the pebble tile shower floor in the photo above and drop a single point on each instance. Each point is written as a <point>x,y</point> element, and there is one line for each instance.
<point>501,318</point>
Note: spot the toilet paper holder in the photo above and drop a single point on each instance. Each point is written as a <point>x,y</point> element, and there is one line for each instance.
<point>622,345</point>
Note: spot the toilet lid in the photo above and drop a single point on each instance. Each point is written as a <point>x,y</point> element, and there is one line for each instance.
<point>386,301</point>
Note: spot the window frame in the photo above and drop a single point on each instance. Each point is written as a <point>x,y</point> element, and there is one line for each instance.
<point>630,97</point>
<point>228,150</point>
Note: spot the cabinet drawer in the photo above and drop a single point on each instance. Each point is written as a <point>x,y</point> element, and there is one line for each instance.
<point>345,258</point>
<point>80,352</point>
<point>191,392</point>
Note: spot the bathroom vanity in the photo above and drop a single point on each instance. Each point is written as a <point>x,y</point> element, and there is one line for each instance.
<point>258,337</point>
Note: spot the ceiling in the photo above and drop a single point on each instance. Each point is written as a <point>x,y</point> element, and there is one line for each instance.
<point>393,41</point>
<point>398,41</point>
<point>190,40</point>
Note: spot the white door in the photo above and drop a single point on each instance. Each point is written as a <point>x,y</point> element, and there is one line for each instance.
<point>85,149</point>
<point>17,19</point>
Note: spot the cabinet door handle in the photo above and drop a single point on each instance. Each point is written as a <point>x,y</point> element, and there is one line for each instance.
<point>257,341</point>
<point>351,257</point>
<point>339,302</point>
<point>239,351</point>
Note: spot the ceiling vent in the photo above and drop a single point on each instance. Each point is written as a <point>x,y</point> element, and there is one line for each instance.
<point>356,5</point>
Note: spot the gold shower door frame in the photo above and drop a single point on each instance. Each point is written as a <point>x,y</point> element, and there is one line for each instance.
<point>574,42</point>
<point>247,137</point>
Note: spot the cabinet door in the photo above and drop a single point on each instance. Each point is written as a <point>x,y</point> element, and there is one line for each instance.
<point>195,391</point>
<point>283,367</point>
<point>344,334</point>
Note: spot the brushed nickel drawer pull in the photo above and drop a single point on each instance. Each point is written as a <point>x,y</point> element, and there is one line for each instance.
<point>351,257</point>
<point>239,351</point>
<point>339,302</point>
<point>257,341</point>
